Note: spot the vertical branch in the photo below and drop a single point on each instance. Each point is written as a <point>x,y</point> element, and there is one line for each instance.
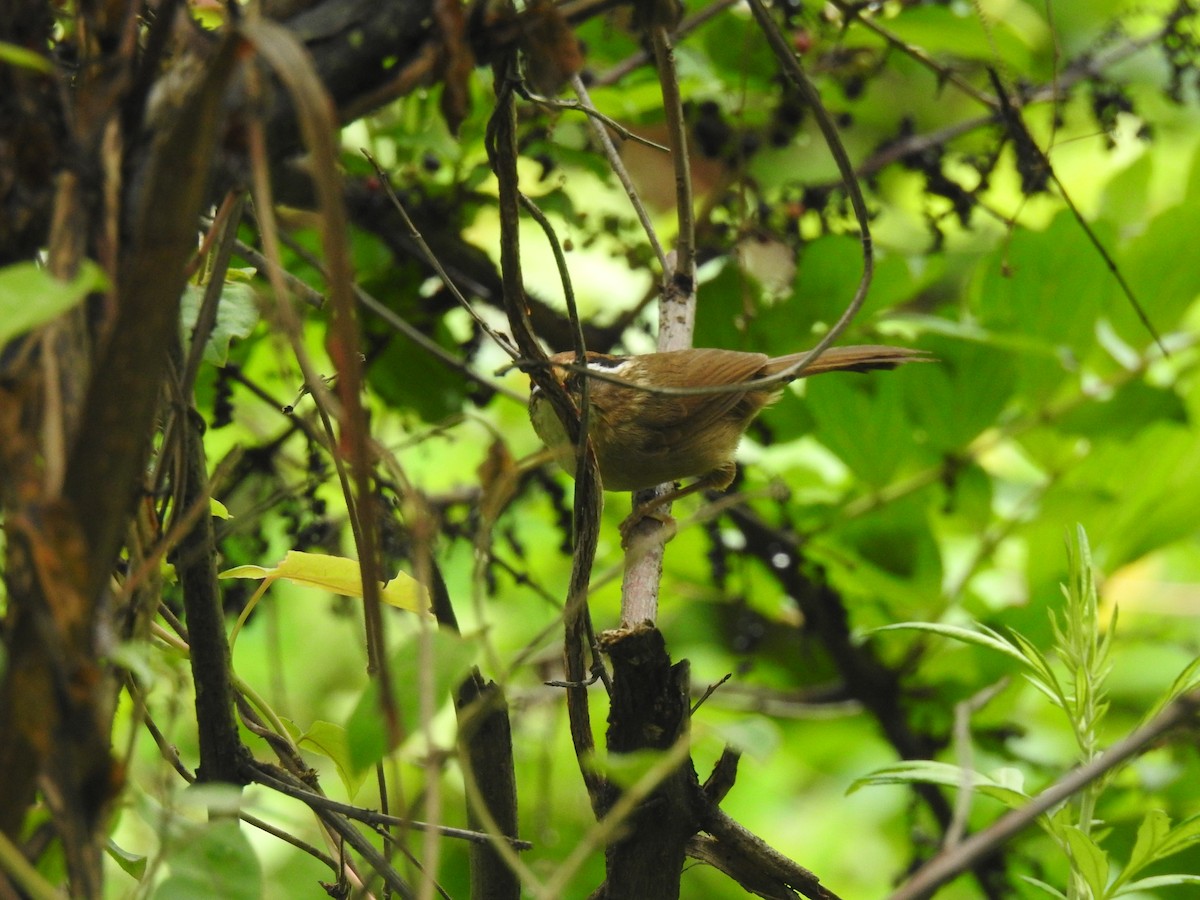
<point>121,403</point>
<point>649,700</point>
<point>676,321</point>
<point>502,151</point>
<point>62,549</point>
<point>222,754</point>
<point>683,276</point>
<point>485,743</point>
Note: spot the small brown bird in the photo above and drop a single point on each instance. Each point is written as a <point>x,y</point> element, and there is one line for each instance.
<point>643,439</point>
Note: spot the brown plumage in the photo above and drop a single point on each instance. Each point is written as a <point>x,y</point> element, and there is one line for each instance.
<point>643,439</point>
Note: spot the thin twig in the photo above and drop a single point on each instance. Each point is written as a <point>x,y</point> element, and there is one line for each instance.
<point>618,166</point>
<point>501,341</point>
<point>962,741</point>
<point>687,26</point>
<point>944,73</point>
<point>581,446</point>
<point>370,816</point>
<point>791,68</point>
<point>642,576</point>
<point>315,298</point>
<point>226,223</point>
<point>947,865</point>
<point>598,118</point>
<point>501,146</point>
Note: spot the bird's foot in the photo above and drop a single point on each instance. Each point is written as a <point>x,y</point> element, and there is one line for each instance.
<point>645,527</point>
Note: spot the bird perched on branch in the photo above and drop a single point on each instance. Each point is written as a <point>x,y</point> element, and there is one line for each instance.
<point>644,438</point>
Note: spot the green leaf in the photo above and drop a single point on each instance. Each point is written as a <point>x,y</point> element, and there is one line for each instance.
<point>409,376</point>
<point>30,296</point>
<point>1017,647</point>
<point>330,740</point>
<point>1155,827</point>
<point>1187,680</point>
<point>1040,673</point>
<point>216,861</point>
<point>1025,291</point>
<point>1134,516</point>
<point>863,424</point>
<point>1153,258</point>
<point>891,553</point>
<point>825,280</point>
<point>237,315</point>
<point>15,55</point>
<point>450,656</point>
<point>963,393</point>
<point>1049,889</point>
<point>939,30</point>
<point>1125,196</point>
<point>1090,861</point>
<point>984,637</point>
<point>1130,410</point>
<point>1158,881</point>
<point>931,772</point>
<point>1182,836</point>
<point>133,864</point>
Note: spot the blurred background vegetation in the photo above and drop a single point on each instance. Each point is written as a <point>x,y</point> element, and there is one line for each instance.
<point>948,494</point>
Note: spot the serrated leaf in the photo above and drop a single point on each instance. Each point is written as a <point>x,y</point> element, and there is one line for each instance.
<point>1020,292</point>
<point>855,422</point>
<point>944,30</point>
<point>1182,836</point>
<point>963,394</point>
<point>1152,258</point>
<point>1155,827</point>
<point>1130,409</point>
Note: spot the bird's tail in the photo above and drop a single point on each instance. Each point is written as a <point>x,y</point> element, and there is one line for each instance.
<point>860,358</point>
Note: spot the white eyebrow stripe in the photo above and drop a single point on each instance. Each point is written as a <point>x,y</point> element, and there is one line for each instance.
<point>609,366</point>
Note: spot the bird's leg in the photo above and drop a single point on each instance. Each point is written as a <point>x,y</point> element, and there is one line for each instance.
<point>718,479</point>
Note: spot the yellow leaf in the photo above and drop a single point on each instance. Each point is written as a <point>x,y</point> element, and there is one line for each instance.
<point>338,575</point>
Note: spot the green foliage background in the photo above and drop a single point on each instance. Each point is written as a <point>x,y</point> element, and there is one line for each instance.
<point>939,493</point>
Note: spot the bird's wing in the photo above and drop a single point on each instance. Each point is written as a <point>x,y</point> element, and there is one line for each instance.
<point>677,415</point>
